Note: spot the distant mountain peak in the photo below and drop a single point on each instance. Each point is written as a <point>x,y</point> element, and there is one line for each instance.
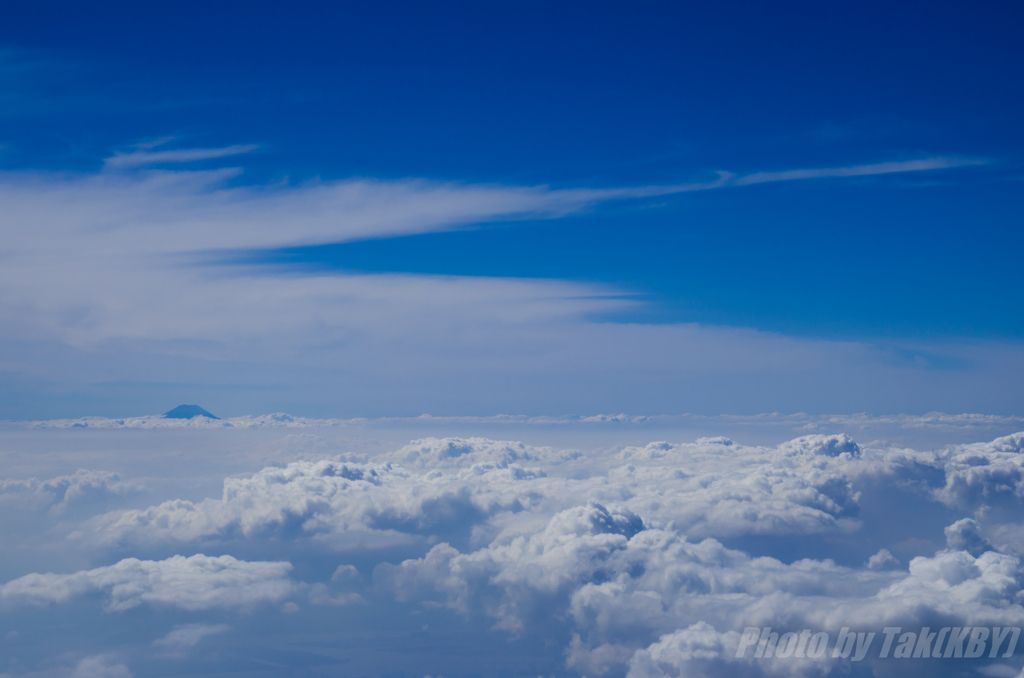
<point>187,412</point>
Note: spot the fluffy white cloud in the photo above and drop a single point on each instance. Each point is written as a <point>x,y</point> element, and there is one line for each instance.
<point>990,473</point>
<point>198,582</point>
<point>965,535</point>
<point>622,587</point>
<point>320,498</point>
<point>430,453</point>
<point>699,648</point>
<point>715,487</point>
<point>883,560</point>
<point>57,494</point>
<point>641,559</point>
<point>663,604</point>
<point>711,487</point>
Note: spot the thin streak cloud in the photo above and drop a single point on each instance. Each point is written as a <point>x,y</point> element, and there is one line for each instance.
<point>922,165</point>
<point>142,158</point>
<point>727,179</point>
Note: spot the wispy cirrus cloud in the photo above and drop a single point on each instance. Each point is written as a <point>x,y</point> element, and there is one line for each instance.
<point>121,261</point>
<point>142,157</point>
<point>187,210</point>
<point>921,165</point>
<point>728,179</point>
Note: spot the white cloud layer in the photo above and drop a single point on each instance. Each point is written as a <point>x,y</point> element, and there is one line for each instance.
<point>620,578</point>
<point>638,560</point>
<point>711,487</point>
<point>938,421</point>
<point>620,584</point>
<point>57,494</point>
<point>198,582</point>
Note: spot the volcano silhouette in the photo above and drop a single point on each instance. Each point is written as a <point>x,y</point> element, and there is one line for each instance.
<point>187,412</point>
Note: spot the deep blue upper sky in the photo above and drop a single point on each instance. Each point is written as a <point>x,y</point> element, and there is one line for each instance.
<point>596,95</point>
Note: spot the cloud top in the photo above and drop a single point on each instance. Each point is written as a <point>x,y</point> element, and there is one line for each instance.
<point>636,560</point>
<point>198,582</point>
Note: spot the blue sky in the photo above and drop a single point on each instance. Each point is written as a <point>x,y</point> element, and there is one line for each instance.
<point>572,99</point>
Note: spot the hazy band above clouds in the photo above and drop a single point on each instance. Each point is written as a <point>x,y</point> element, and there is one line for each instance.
<point>119,277</point>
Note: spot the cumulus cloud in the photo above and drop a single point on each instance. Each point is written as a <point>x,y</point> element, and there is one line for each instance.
<point>589,560</point>
<point>989,473</point>
<point>198,582</point>
<point>619,587</point>
<point>713,487</point>
<point>656,602</point>
<point>883,560</point>
<point>699,649</point>
<point>965,535</point>
<point>434,453</point>
<point>57,494</point>
<point>321,498</point>
<point>480,487</point>
<point>645,560</point>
